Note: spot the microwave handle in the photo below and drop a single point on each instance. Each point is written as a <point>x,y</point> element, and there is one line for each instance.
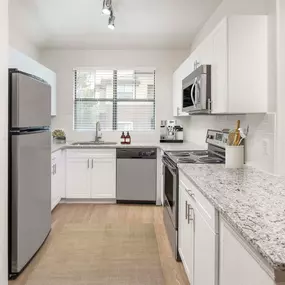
<point>197,98</point>
<point>192,95</point>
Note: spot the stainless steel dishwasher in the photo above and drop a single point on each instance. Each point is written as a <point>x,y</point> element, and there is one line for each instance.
<point>136,175</point>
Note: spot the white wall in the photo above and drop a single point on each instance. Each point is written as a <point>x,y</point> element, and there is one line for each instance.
<point>22,44</point>
<point>63,62</point>
<point>24,27</point>
<point>260,147</point>
<point>3,139</point>
<point>260,143</point>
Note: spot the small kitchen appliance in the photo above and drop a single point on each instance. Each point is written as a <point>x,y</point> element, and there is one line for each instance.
<point>215,154</point>
<point>196,96</point>
<point>171,132</point>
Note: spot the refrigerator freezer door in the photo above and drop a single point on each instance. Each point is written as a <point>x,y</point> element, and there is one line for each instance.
<point>30,101</point>
<point>30,196</point>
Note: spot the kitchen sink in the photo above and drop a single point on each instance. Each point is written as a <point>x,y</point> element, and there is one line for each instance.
<point>93,143</point>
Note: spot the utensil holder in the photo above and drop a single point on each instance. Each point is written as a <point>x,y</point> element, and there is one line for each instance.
<point>234,156</point>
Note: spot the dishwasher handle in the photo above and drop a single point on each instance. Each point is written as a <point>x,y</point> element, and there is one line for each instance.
<point>136,153</point>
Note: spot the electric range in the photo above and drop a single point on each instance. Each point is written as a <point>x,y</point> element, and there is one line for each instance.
<point>215,154</point>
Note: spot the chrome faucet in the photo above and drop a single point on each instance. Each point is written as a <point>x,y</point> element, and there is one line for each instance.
<point>98,135</point>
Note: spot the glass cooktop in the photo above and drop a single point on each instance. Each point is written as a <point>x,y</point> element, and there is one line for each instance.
<point>195,156</point>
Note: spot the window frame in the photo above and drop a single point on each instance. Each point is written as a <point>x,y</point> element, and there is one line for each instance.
<point>115,99</point>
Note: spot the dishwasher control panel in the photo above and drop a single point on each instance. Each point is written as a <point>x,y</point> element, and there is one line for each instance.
<point>136,153</point>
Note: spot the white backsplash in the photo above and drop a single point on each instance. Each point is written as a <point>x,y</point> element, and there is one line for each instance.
<point>260,143</point>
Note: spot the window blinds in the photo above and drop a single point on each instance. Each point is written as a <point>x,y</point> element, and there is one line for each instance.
<point>120,99</point>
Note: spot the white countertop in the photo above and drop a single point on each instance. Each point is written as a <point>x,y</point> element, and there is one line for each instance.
<point>162,146</point>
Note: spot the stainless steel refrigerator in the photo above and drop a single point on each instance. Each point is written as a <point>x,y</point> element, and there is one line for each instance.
<point>29,168</point>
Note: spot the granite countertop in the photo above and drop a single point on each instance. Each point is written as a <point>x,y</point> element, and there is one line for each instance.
<point>162,146</point>
<point>252,201</point>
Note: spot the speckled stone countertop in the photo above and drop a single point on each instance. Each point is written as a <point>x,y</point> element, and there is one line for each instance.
<point>162,146</point>
<point>252,201</point>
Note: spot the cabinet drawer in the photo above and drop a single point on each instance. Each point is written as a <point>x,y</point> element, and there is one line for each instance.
<point>207,210</point>
<point>91,153</point>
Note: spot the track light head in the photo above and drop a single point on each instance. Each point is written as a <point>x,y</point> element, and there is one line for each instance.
<point>107,7</point>
<point>111,23</point>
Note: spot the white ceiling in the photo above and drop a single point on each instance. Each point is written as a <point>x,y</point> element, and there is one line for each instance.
<point>140,24</point>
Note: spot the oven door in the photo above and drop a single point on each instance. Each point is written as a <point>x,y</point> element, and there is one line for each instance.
<point>170,190</point>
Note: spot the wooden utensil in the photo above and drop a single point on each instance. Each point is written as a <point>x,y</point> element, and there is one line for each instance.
<point>231,137</point>
<point>237,134</point>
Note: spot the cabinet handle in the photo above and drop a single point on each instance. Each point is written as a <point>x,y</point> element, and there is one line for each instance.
<point>190,217</point>
<point>92,163</point>
<point>178,110</point>
<point>87,163</point>
<point>55,169</point>
<point>186,210</point>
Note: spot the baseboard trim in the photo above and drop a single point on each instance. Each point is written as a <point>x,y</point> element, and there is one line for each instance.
<point>88,201</point>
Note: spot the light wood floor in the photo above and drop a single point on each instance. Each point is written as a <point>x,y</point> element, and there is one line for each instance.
<point>173,271</point>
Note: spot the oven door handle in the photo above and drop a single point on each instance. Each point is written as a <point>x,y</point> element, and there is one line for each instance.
<point>170,167</point>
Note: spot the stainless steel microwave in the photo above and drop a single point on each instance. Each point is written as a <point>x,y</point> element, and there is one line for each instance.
<point>197,91</point>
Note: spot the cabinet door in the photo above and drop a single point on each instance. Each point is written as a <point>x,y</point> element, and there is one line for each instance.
<point>103,178</point>
<point>205,51</point>
<point>183,71</point>
<point>220,69</point>
<point>53,183</point>
<point>60,173</point>
<point>78,177</point>
<point>206,243</point>
<point>177,93</point>
<point>186,233</point>
<point>237,265</point>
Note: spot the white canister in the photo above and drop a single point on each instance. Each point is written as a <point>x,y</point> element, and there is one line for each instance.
<point>234,156</point>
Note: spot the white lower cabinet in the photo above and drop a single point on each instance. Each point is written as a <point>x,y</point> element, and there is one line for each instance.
<point>211,251</point>
<point>57,177</point>
<point>197,237</point>
<point>91,174</point>
<point>103,178</point>
<point>186,233</point>
<point>77,177</point>
<point>206,245</point>
<point>238,265</point>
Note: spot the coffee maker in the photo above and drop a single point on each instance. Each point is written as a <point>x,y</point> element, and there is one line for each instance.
<point>170,132</point>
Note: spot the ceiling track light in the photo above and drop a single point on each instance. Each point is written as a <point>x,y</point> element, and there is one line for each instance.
<point>111,23</point>
<point>107,7</point>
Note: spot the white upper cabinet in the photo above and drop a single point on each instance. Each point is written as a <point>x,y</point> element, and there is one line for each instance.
<point>26,64</point>
<point>219,69</point>
<point>185,69</point>
<point>237,51</point>
<point>239,66</point>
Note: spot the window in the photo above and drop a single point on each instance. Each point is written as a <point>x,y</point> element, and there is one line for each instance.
<point>120,99</point>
